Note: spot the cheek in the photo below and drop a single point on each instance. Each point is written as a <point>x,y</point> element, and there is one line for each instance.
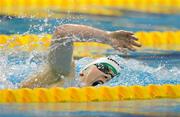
<point>89,74</point>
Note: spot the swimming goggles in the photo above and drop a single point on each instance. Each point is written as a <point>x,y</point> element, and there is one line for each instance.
<point>105,68</point>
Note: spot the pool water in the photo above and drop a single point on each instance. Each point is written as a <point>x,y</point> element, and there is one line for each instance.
<point>130,108</point>
<point>139,68</point>
<point>132,21</point>
<point>143,68</point>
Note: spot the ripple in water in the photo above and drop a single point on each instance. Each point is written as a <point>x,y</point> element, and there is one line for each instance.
<point>16,67</point>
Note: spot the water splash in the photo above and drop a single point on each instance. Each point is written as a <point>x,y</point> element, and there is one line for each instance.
<point>139,73</point>
<point>16,67</point>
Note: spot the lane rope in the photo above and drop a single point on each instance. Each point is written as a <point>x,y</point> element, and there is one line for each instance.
<point>149,40</point>
<point>88,94</point>
<point>29,8</point>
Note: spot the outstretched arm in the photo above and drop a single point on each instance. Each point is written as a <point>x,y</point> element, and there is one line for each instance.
<point>82,33</point>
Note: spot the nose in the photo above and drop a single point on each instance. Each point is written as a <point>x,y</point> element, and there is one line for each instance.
<point>97,82</point>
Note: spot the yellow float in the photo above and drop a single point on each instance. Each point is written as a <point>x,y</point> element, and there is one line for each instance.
<point>87,94</point>
<point>49,8</point>
<point>149,40</point>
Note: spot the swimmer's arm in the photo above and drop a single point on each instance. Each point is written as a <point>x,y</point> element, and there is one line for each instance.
<point>81,33</point>
<point>42,79</point>
<point>61,49</point>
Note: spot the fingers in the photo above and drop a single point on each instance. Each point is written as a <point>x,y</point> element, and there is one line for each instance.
<point>125,33</point>
<point>133,37</point>
<point>131,48</point>
<point>125,48</point>
<point>124,41</point>
<point>134,43</point>
<point>128,33</point>
<point>128,46</point>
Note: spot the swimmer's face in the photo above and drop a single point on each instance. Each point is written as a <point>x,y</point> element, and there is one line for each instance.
<point>93,76</point>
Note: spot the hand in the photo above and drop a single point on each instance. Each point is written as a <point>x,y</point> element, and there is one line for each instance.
<point>123,40</point>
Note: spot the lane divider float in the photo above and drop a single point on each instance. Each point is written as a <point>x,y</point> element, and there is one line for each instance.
<point>88,94</point>
<point>51,8</point>
<point>150,40</point>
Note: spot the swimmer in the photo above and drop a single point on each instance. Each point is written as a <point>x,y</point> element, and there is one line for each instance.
<point>61,67</point>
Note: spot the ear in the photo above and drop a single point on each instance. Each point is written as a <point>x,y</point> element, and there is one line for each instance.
<point>81,74</point>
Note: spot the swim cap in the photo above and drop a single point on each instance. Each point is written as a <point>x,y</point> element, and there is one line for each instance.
<point>110,62</point>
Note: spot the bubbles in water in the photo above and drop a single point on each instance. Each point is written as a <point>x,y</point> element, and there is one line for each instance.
<point>4,83</point>
<point>15,67</point>
<point>138,73</point>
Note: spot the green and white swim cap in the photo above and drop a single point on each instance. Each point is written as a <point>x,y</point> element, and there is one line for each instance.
<point>108,61</point>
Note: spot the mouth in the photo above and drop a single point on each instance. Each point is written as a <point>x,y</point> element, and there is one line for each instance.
<point>99,82</point>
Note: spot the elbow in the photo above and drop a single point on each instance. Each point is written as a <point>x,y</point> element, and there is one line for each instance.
<point>67,26</point>
<point>61,31</point>
<point>66,30</point>
<point>63,28</point>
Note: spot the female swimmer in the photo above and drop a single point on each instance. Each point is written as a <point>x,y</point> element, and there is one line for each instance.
<point>60,67</point>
